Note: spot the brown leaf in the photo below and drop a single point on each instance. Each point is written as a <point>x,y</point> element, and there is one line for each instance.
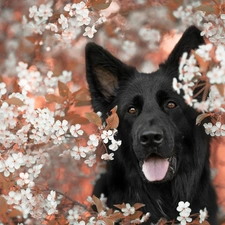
<point>83,103</point>
<point>116,215</point>
<point>99,4</point>
<point>63,89</point>
<point>173,5</point>
<point>74,118</point>
<point>217,9</point>
<point>221,88</point>
<point>82,95</point>
<point>94,118</point>
<point>6,183</point>
<point>136,215</point>
<point>196,222</point>
<point>54,98</point>
<point>203,65</point>
<point>201,117</point>
<point>120,206</point>
<point>138,205</point>
<point>55,17</point>
<point>62,221</point>
<point>205,223</point>
<point>31,39</point>
<point>14,101</point>
<point>108,221</point>
<point>15,213</point>
<point>3,205</point>
<point>162,221</point>
<point>2,178</point>
<point>52,222</point>
<point>207,8</point>
<point>98,203</point>
<point>112,121</point>
<point>110,29</point>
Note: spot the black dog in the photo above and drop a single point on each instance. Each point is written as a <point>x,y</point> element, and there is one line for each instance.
<point>164,156</point>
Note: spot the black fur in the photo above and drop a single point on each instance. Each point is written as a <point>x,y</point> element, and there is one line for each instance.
<point>153,130</point>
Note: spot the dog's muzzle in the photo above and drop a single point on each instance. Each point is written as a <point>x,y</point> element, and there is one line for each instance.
<point>159,163</point>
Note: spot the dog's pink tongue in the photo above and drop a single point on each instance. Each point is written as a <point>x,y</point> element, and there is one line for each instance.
<point>155,168</point>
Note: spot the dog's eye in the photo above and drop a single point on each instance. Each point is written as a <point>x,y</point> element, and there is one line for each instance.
<point>171,105</point>
<point>132,110</point>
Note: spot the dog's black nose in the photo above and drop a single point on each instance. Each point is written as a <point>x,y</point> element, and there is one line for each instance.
<point>151,138</point>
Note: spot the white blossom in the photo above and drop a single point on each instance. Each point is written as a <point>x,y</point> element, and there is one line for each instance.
<point>91,160</point>
<point>2,89</point>
<point>184,212</point>
<point>90,31</point>
<point>51,203</point>
<point>107,156</point>
<point>203,214</point>
<point>63,21</point>
<point>75,130</point>
<point>129,210</point>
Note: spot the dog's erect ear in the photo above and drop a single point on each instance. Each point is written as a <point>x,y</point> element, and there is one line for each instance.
<point>191,39</point>
<point>103,73</point>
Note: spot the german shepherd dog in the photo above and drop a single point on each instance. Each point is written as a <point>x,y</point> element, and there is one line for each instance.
<point>164,156</point>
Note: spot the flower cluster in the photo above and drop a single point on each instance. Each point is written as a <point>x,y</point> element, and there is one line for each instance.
<point>41,13</point>
<point>185,213</point>
<point>188,15</point>
<point>152,36</point>
<point>12,163</point>
<point>31,80</point>
<point>36,205</point>
<point>88,152</point>
<point>209,17</point>
<point>42,47</point>
<point>109,136</point>
<point>201,80</point>
<point>77,19</point>
<point>127,214</point>
<point>215,130</point>
<point>11,133</point>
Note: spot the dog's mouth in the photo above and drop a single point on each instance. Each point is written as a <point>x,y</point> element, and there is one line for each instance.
<point>158,169</point>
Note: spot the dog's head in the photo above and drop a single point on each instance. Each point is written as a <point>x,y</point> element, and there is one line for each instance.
<point>155,122</point>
